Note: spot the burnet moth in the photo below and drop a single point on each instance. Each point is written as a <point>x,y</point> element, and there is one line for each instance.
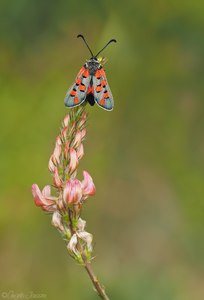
<point>90,84</point>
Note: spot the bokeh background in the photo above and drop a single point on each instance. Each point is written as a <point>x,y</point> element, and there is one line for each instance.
<point>146,157</point>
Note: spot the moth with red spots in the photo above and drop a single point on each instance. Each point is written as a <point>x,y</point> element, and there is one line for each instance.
<point>90,84</point>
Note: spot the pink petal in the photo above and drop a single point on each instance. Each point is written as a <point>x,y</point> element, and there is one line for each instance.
<point>46,191</point>
<point>88,186</point>
<point>72,192</point>
<point>39,197</point>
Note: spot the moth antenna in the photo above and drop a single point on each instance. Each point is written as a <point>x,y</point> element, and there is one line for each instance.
<point>81,36</point>
<point>112,40</point>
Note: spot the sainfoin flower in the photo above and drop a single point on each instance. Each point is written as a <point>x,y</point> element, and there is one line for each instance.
<point>72,191</point>
<point>44,199</point>
<point>76,191</point>
<point>69,192</point>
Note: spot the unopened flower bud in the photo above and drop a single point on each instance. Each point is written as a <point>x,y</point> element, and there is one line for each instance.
<point>57,179</point>
<point>80,151</point>
<point>83,120</point>
<point>51,165</point>
<point>57,153</point>
<point>81,224</point>
<point>58,140</point>
<point>71,131</point>
<point>57,221</point>
<point>66,120</point>
<point>83,133</point>
<point>64,132</point>
<point>73,160</point>
<point>77,139</point>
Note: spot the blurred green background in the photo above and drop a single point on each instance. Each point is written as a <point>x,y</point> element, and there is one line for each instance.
<point>146,157</point>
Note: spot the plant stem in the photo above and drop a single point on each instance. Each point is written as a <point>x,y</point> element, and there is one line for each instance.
<point>100,290</point>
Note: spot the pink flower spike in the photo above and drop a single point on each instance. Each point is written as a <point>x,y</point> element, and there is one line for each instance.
<point>88,186</point>
<point>57,179</point>
<point>43,199</point>
<point>66,120</point>
<point>80,151</point>
<point>72,192</point>
<point>73,160</point>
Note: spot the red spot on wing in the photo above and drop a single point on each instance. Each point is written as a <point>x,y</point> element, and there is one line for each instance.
<point>103,73</point>
<point>81,72</point>
<point>103,83</point>
<point>98,88</point>
<point>98,74</point>
<point>86,73</point>
<point>78,81</point>
<point>76,100</point>
<point>102,101</point>
<point>73,93</point>
<point>82,88</point>
<point>106,95</point>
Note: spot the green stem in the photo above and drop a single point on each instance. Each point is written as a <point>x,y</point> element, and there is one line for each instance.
<point>99,288</point>
<point>87,265</point>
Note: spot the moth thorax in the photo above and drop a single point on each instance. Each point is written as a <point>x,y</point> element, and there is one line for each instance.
<point>93,65</point>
